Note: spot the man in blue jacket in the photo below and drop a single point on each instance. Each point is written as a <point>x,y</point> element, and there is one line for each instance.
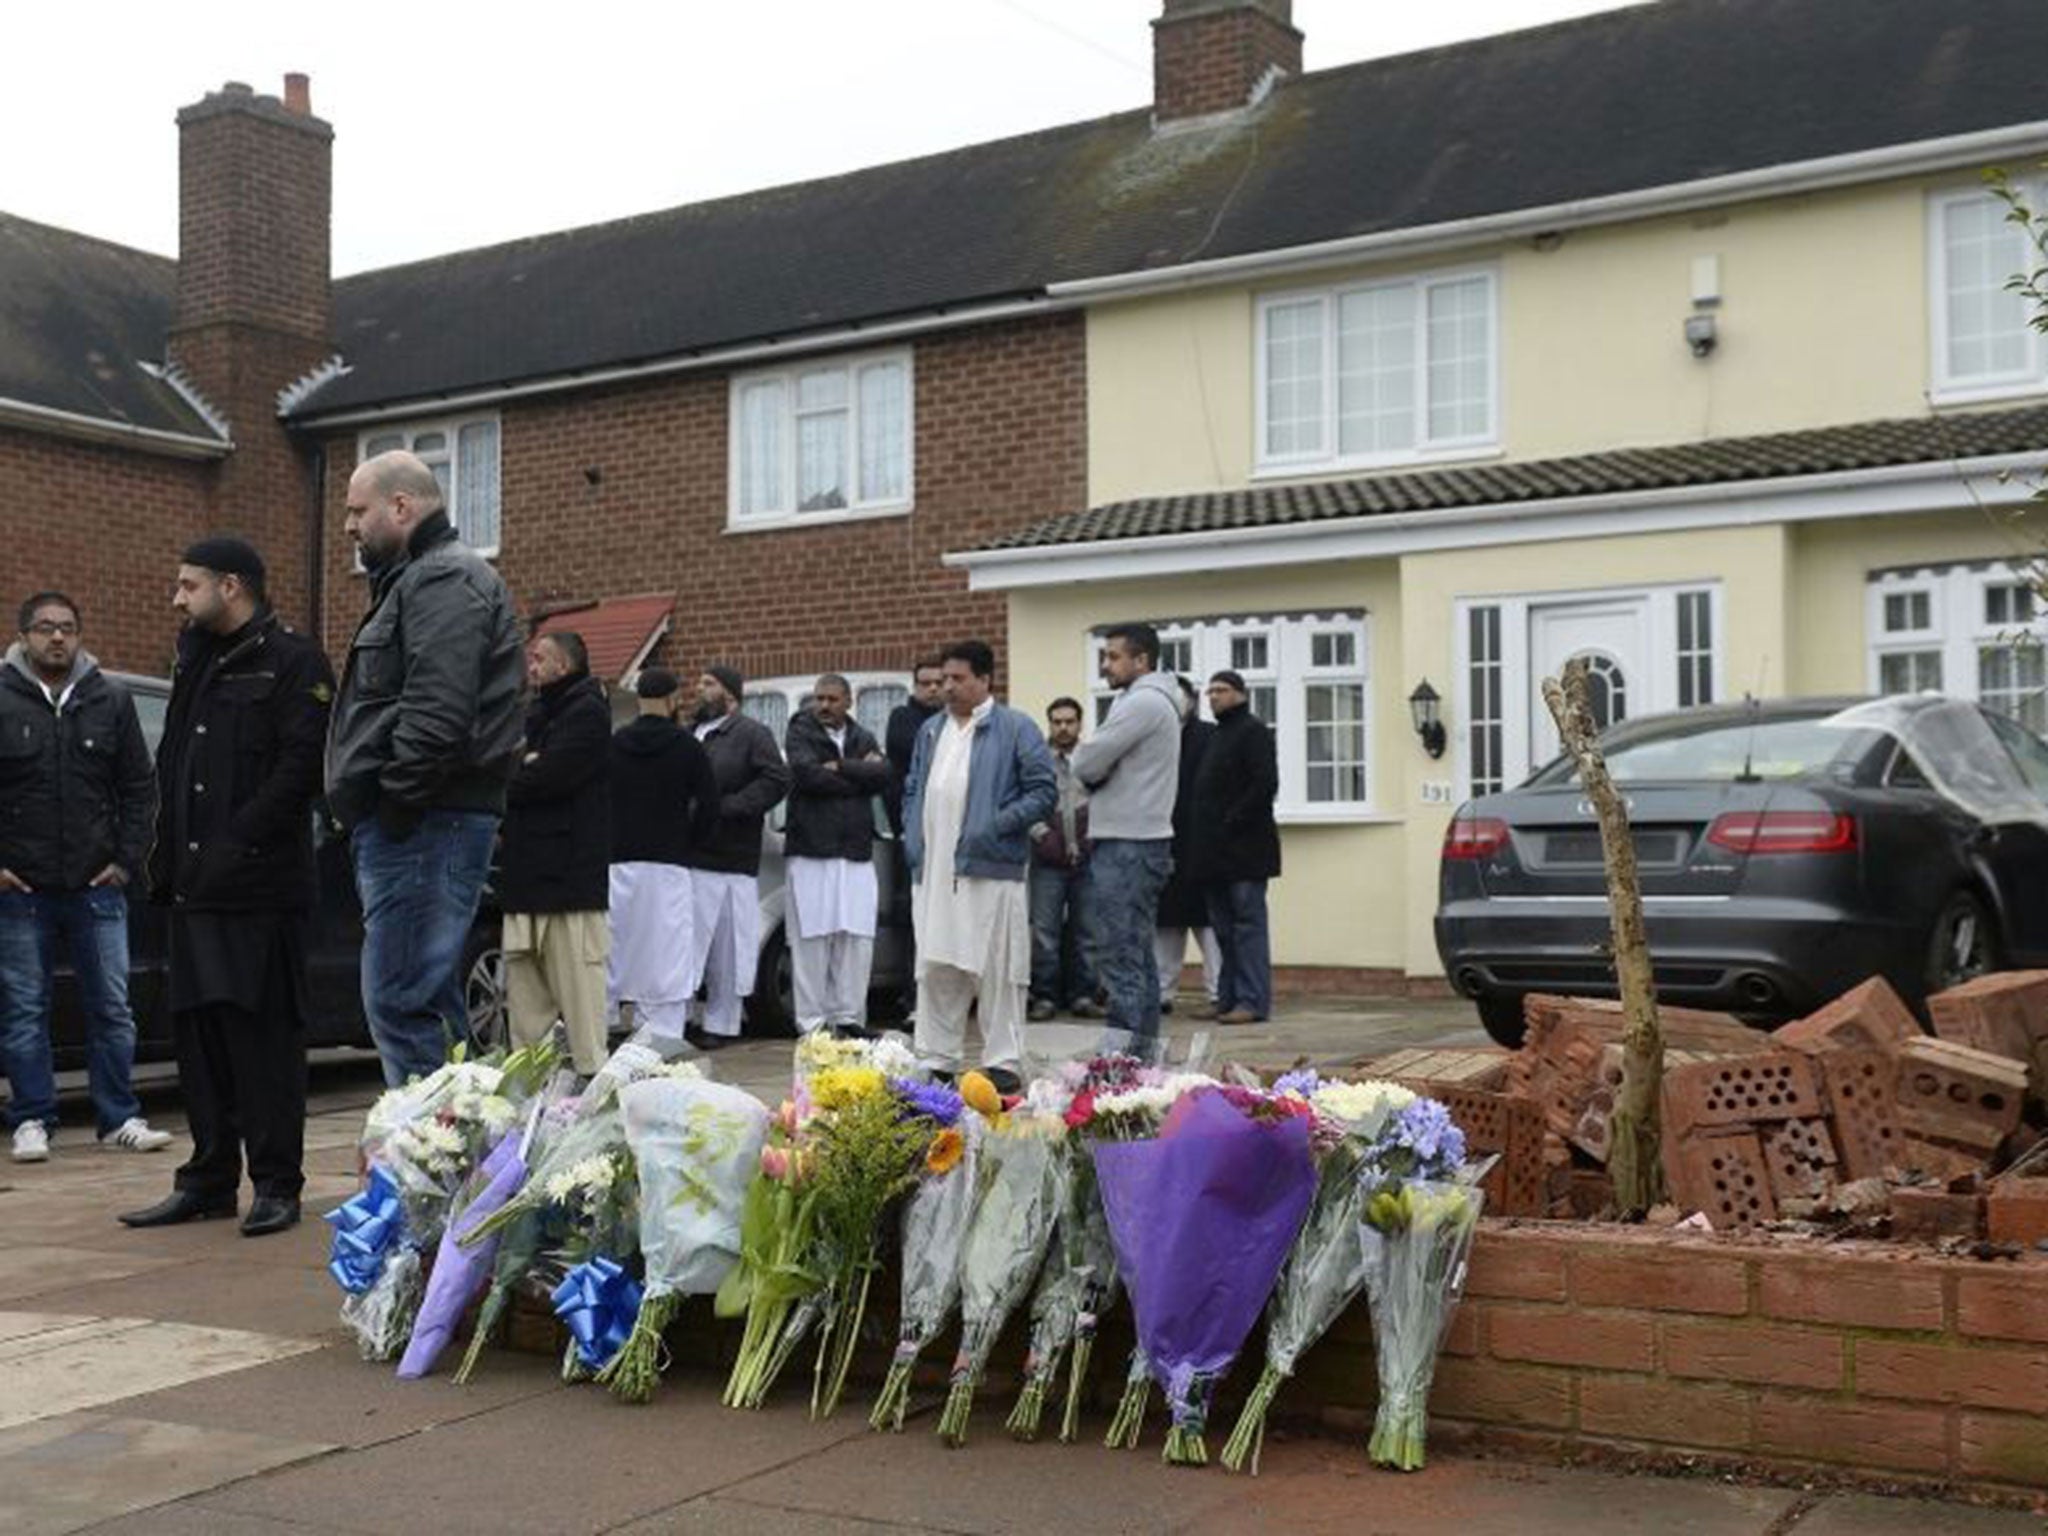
<point>980,778</point>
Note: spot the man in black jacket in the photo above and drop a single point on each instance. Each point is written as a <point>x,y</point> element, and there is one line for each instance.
<point>238,769</point>
<point>1184,905</point>
<point>1234,847</point>
<point>828,849</point>
<point>899,736</point>
<point>76,800</point>
<point>725,869</point>
<point>664,804</point>
<point>425,736</point>
<point>554,883</point>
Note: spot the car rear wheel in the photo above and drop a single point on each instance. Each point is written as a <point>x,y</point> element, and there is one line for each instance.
<point>771,1011</point>
<point>1963,943</point>
<point>1501,1014</point>
<point>483,990</point>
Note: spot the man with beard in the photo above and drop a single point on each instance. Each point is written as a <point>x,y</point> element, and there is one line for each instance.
<point>237,772</point>
<point>424,739</point>
<point>725,868</point>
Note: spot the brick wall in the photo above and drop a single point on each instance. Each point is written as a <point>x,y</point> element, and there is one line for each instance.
<point>105,525</point>
<point>1209,55</point>
<point>1001,441</point>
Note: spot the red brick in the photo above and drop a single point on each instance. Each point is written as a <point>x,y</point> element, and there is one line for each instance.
<point>1462,1337</point>
<point>1955,1093</point>
<point>1723,1175</point>
<point>2005,1012</point>
<point>1663,1280</point>
<point>1516,1268</point>
<point>2003,1447</point>
<point>1742,1090</point>
<point>1870,1015</point>
<point>1861,1293</point>
<point>2017,1211</point>
<point>2013,1305</point>
<point>1953,1373</point>
<point>1929,1215</point>
<point>1612,1341</point>
<point>1673,1413</point>
<point>1888,1435</point>
<point>1777,1357</point>
<point>1529,1395</point>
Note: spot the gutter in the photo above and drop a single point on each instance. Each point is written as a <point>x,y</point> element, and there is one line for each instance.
<point>1842,493</point>
<point>692,362</point>
<point>2021,141</point>
<point>120,434</point>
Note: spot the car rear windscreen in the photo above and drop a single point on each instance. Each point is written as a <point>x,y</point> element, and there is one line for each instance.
<point>1765,749</point>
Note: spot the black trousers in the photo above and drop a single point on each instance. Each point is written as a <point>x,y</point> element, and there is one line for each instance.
<point>243,1076</point>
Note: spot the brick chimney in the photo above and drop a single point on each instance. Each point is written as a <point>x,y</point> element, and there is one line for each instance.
<point>254,312</point>
<point>1214,55</point>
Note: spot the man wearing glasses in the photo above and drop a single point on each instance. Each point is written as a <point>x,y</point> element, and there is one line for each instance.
<point>77,801</point>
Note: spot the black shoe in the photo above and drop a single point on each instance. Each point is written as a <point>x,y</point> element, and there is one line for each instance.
<point>1006,1082</point>
<point>704,1040</point>
<point>178,1206</point>
<point>1040,1010</point>
<point>852,1032</point>
<point>270,1213</point>
<point>1167,1006</point>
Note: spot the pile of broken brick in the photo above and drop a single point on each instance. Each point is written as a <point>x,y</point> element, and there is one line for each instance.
<point>1852,1120</point>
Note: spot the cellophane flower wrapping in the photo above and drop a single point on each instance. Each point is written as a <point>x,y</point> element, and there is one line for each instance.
<point>429,1135</point>
<point>1203,1217</point>
<point>381,1318</point>
<point>1056,1302</point>
<point>696,1145</point>
<point>1017,1199</point>
<point>1418,1243</point>
<point>460,1269</point>
<point>935,1220</point>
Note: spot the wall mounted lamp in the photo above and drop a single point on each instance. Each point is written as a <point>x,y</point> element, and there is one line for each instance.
<point>1425,708</point>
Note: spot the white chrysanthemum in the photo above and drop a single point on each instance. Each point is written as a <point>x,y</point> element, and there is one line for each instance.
<point>892,1058</point>
<point>680,1071</point>
<point>1048,1096</point>
<point>1363,1107</point>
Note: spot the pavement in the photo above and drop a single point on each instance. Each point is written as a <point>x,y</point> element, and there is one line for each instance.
<point>191,1380</point>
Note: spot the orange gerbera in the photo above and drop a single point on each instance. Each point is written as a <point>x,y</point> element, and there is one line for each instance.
<point>946,1150</point>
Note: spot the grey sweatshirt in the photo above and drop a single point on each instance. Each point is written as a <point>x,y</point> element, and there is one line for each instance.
<point>1131,764</point>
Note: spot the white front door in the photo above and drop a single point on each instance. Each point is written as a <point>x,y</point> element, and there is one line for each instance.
<point>1613,634</point>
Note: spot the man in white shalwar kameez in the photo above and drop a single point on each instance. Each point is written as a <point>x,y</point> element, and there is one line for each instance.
<point>981,777</point>
<point>828,842</point>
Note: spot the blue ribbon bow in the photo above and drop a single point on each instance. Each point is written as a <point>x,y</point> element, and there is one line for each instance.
<point>366,1230</point>
<point>598,1301</point>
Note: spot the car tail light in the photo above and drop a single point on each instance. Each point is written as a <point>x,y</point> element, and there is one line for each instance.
<point>1783,832</point>
<point>1475,837</point>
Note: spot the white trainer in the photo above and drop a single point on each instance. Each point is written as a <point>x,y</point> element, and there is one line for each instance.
<point>134,1134</point>
<point>31,1142</point>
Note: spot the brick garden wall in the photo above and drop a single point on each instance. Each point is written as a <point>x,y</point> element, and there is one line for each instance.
<point>1001,441</point>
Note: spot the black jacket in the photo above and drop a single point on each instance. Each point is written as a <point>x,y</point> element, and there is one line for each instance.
<point>238,770</point>
<point>900,743</point>
<point>558,808</point>
<point>1232,832</point>
<point>1182,903</point>
<point>752,779</point>
<point>76,793</point>
<point>429,712</point>
<point>832,809</point>
<point>664,794</point>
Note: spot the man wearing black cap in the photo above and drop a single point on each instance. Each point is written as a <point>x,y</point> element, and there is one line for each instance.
<point>664,804</point>
<point>237,773</point>
<point>725,869</point>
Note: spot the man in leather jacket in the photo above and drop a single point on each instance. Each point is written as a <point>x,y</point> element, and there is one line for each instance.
<point>425,736</point>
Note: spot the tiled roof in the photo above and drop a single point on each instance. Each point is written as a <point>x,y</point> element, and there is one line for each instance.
<point>1778,455</point>
<point>616,631</point>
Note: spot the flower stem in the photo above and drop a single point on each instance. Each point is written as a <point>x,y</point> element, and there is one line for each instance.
<point>1242,1448</point>
<point>1077,1380</point>
<point>1030,1409</point>
<point>849,1343</point>
<point>635,1370</point>
<point>1185,1448</point>
<point>1129,1422</point>
<point>486,1319</point>
<point>895,1394</point>
<point>959,1408</point>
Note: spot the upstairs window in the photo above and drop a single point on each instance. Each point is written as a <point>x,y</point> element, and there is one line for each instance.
<point>821,441</point>
<point>1378,373</point>
<point>463,455</point>
<point>1983,345</point>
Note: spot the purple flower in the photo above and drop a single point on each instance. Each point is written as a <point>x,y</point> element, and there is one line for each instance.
<point>934,1101</point>
<point>1425,1128</point>
<point>1303,1080</point>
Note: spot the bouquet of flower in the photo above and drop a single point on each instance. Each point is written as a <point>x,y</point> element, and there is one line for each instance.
<point>1055,1303</point>
<point>429,1135</point>
<point>372,1263</point>
<point>1203,1217</point>
<point>1327,1267</point>
<point>1419,1224</point>
<point>696,1145</point>
<point>934,1229</point>
<point>459,1270</point>
<point>773,1277</point>
<point>1017,1195</point>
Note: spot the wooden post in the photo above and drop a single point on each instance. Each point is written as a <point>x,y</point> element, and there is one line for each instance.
<point>1636,1161</point>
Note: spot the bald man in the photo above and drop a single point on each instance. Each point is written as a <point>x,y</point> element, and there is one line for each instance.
<point>425,736</point>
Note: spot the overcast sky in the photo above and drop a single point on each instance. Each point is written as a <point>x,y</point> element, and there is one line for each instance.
<point>460,125</point>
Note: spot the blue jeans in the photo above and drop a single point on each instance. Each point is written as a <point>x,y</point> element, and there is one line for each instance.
<point>1237,911</point>
<point>419,899</point>
<point>1062,928</point>
<point>95,925</point>
<point>1127,875</point>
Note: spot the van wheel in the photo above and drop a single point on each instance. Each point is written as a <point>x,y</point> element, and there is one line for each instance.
<point>1501,1014</point>
<point>771,1011</point>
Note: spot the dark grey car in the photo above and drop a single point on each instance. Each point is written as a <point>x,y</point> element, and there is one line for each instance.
<point>1788,851</point>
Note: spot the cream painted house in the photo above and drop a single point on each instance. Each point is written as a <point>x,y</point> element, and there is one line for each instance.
<point>1749,411</point>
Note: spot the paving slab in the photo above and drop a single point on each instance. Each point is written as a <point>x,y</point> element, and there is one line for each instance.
<point>1857,1514</point>
<point>30,1269</point>
<point>233,1288</point>
<point>194,1517</point>
<point>68,1473</point>
<point>88,1368</point>
<point>719,1515</point>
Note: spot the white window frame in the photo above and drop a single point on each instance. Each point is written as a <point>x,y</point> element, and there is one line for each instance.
<point>795,689</point>
<point>1958,627</point>
<point>1945,388</point>
<point>1651,694</point>
<point>1426,450</point>
<point>739,521</point>
<point>410,432</point>
<point>1289,673</point>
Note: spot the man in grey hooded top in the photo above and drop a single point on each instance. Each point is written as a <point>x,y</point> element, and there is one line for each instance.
<point>1131,767</point>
